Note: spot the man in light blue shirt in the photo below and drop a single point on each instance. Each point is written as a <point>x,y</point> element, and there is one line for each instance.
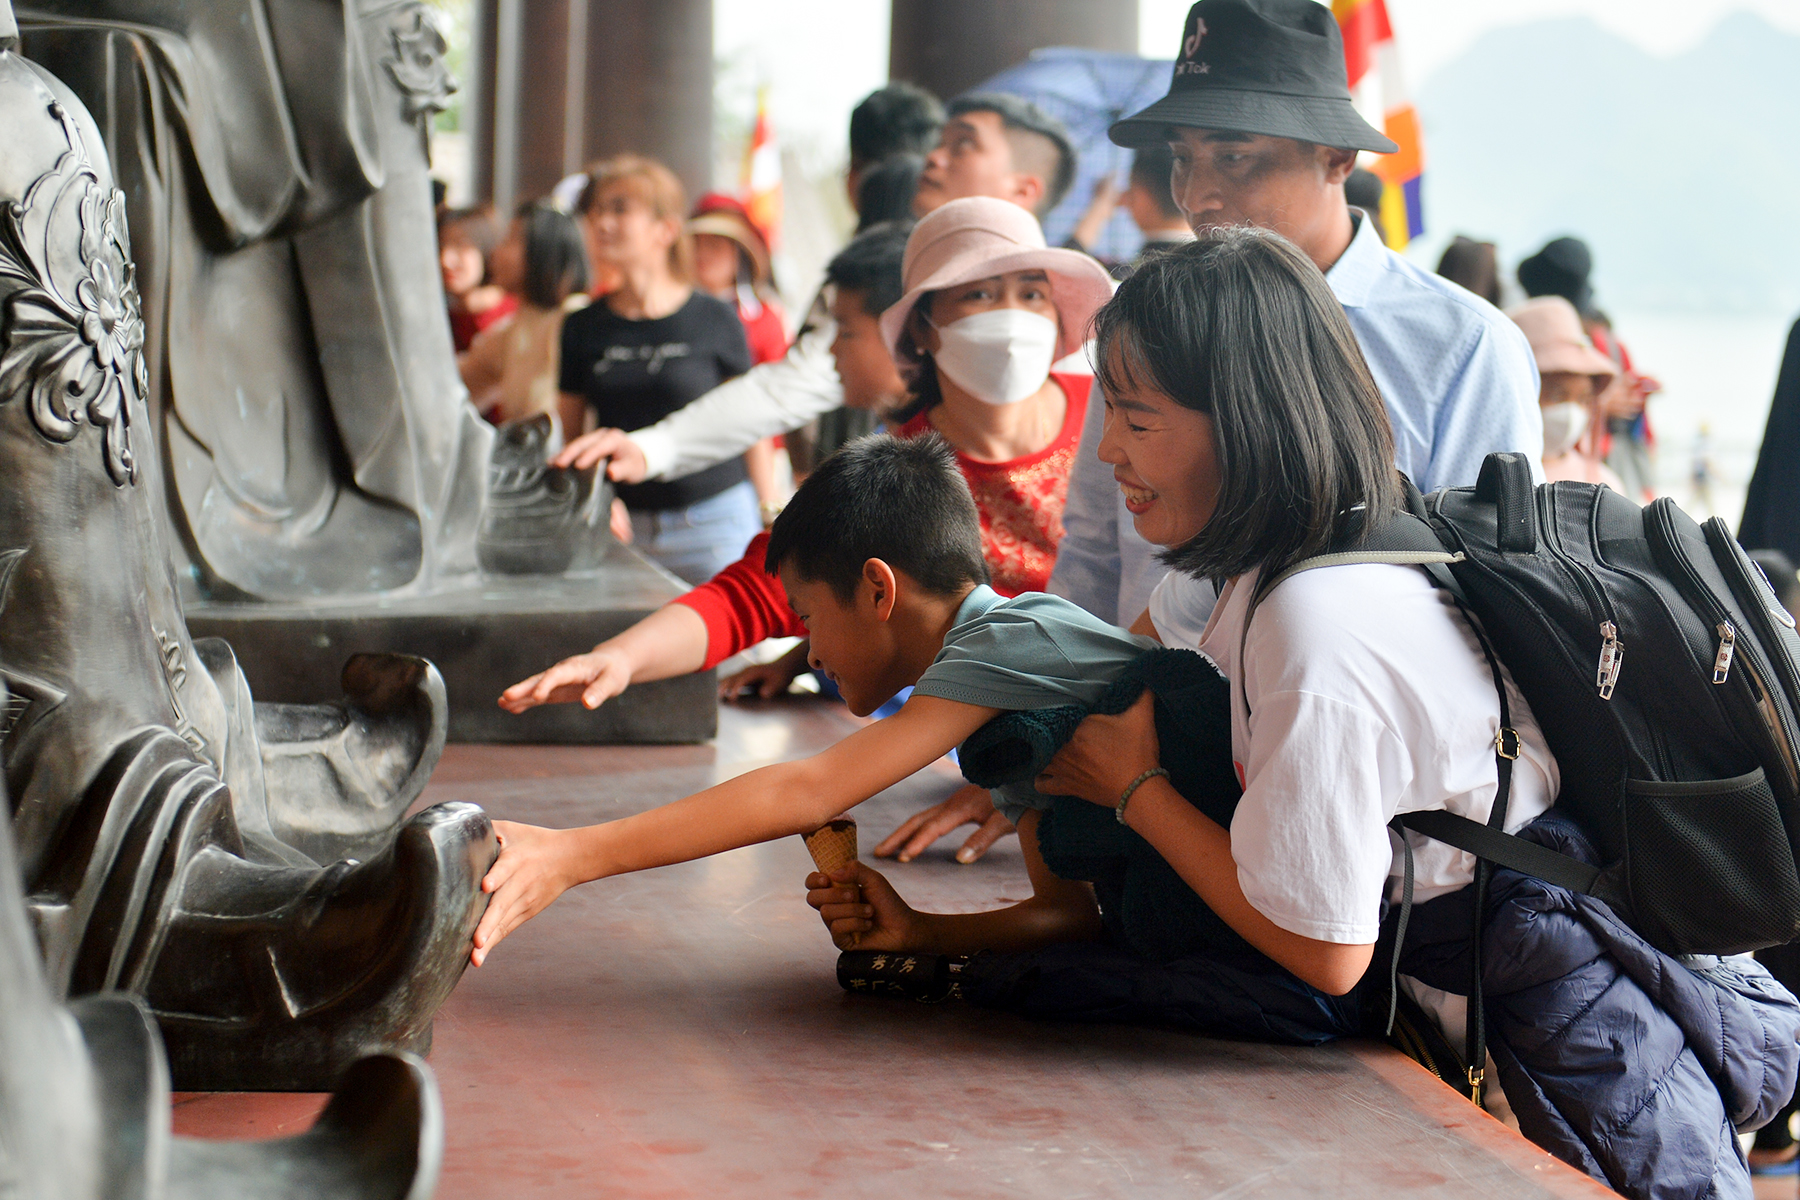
<point>1262,130</point>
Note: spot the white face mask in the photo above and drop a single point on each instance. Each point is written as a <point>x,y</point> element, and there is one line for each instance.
<point>1000,356</point>
<point>1564,423</point>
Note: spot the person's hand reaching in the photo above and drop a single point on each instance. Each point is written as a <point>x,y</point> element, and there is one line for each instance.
<point>627,466</point>
<point>967,805</point>
<point>765,681</point>
<point>862,910</point>
<point>592,679</point>
<point>532,870</point>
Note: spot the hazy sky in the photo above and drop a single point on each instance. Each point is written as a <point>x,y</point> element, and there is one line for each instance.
<point>820,56</point>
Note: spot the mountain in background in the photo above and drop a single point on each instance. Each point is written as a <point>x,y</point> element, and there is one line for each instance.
<point>1682,174</point>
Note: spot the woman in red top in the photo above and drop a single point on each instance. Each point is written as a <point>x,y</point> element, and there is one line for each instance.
<point>988,307</point>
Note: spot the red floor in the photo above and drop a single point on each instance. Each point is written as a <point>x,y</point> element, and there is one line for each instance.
<point>680,1034</point>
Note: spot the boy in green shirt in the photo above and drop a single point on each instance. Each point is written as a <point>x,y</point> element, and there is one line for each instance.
<point>880,553</point>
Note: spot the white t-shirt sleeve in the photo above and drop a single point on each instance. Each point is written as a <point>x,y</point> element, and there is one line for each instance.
<point>1180,607</point>
<point>768,399</point>
<point>1309,835</point>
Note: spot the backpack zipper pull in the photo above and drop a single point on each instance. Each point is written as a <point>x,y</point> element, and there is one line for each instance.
<point>1612,659</point>
<point>1727,646</point>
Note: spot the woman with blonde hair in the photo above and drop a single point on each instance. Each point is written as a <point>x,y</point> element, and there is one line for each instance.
<point>648,347</point>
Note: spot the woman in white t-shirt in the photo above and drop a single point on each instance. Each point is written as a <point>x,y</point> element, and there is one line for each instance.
<point>1246,434</point>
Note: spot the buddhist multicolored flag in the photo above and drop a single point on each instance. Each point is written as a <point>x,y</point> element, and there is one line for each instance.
<point>762,175</point>
<point>1373,62</point>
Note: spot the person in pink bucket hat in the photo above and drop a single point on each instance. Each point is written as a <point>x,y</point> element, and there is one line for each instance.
<point>1572,374</point>
<point>988,308</point>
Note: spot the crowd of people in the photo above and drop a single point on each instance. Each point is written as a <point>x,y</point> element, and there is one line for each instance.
<point>1026,479</point>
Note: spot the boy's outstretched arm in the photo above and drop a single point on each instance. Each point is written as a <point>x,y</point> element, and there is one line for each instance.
<point>862,911</point>
<point>670,641</point>
<point>537,865</point>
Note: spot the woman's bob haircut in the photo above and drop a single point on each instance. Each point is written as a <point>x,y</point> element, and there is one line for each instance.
<point>1240,325</point>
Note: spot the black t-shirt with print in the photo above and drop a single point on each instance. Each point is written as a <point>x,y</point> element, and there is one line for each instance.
<point>635,373</point>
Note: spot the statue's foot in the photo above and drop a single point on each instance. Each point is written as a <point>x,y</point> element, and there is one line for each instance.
<point>380,1138</point>
<point>277,978</point>
<point>339,777</point>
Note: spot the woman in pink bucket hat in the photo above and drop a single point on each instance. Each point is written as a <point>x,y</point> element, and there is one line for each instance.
<point>1572,375</point>
<point>988,309</point>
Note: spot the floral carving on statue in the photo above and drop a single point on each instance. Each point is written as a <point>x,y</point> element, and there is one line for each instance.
<point>416,64</point>
<point>71,334</point>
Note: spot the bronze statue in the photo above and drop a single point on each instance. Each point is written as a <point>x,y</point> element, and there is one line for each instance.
<point>324,477</point>
<point>84,1103</point>
<point>539,519</point>
<point>318,439</point>
<point>153,859</point>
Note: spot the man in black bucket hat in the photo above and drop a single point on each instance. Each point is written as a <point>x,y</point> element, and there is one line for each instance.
<point>1260,124</point>
<point>1272,68</point>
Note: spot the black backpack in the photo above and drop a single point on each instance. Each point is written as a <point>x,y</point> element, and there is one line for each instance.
<point>1665,676</point>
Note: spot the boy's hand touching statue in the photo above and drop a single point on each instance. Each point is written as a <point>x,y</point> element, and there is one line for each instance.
<point>533,869</point>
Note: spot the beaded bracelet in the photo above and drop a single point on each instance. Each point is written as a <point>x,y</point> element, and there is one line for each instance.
<point>1119,811</point>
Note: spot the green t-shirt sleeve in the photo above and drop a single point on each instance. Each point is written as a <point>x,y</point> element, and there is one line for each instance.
<point>1014,658</point>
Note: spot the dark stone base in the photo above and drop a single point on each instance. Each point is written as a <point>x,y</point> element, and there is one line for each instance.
<point>484,634</point>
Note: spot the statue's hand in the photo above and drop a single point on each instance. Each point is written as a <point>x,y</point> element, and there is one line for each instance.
<point>627,466</point>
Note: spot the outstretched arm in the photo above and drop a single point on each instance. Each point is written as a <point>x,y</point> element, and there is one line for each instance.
<point>670,641</point>
<point>862,910</point>
<point>537,865</point>
<point>768,399</point>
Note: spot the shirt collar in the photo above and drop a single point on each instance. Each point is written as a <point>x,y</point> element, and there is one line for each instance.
<point>976,603</point>
<point>1352,277</point>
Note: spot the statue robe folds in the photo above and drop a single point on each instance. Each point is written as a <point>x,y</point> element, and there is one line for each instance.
<point>301,378</point>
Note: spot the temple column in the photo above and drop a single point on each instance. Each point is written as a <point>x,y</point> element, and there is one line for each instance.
<point>558,83</point>
<point>949,46</point>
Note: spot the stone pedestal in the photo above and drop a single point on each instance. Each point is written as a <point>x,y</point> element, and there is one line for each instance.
<point>483,633</point>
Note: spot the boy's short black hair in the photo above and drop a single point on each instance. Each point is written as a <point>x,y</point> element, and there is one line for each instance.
<point>903,501</point>
<point>871,265</point>
<point>900,118</point>
<point>1151,167</point>
<point>1018,115</point>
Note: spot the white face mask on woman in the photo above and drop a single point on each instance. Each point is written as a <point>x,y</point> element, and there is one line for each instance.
<point>1000,356</point>
<point>1564,423</point>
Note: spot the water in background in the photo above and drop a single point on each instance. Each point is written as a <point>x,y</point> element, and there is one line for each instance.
<point>1718,372</point>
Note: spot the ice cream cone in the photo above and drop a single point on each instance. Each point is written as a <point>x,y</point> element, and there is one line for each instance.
<point>832,844</point>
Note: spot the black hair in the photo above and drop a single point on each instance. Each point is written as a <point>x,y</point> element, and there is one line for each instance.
<point>1151,167</point>
<point>556,262</point>
<point>885,191</point>
<point>900,118</point>
<point>1018,115</point>
<point>904,501</point>
<point>871,266</point>
<point>1240,325</point>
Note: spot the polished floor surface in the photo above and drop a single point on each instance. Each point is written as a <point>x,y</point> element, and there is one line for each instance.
<point>680,1034</point>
